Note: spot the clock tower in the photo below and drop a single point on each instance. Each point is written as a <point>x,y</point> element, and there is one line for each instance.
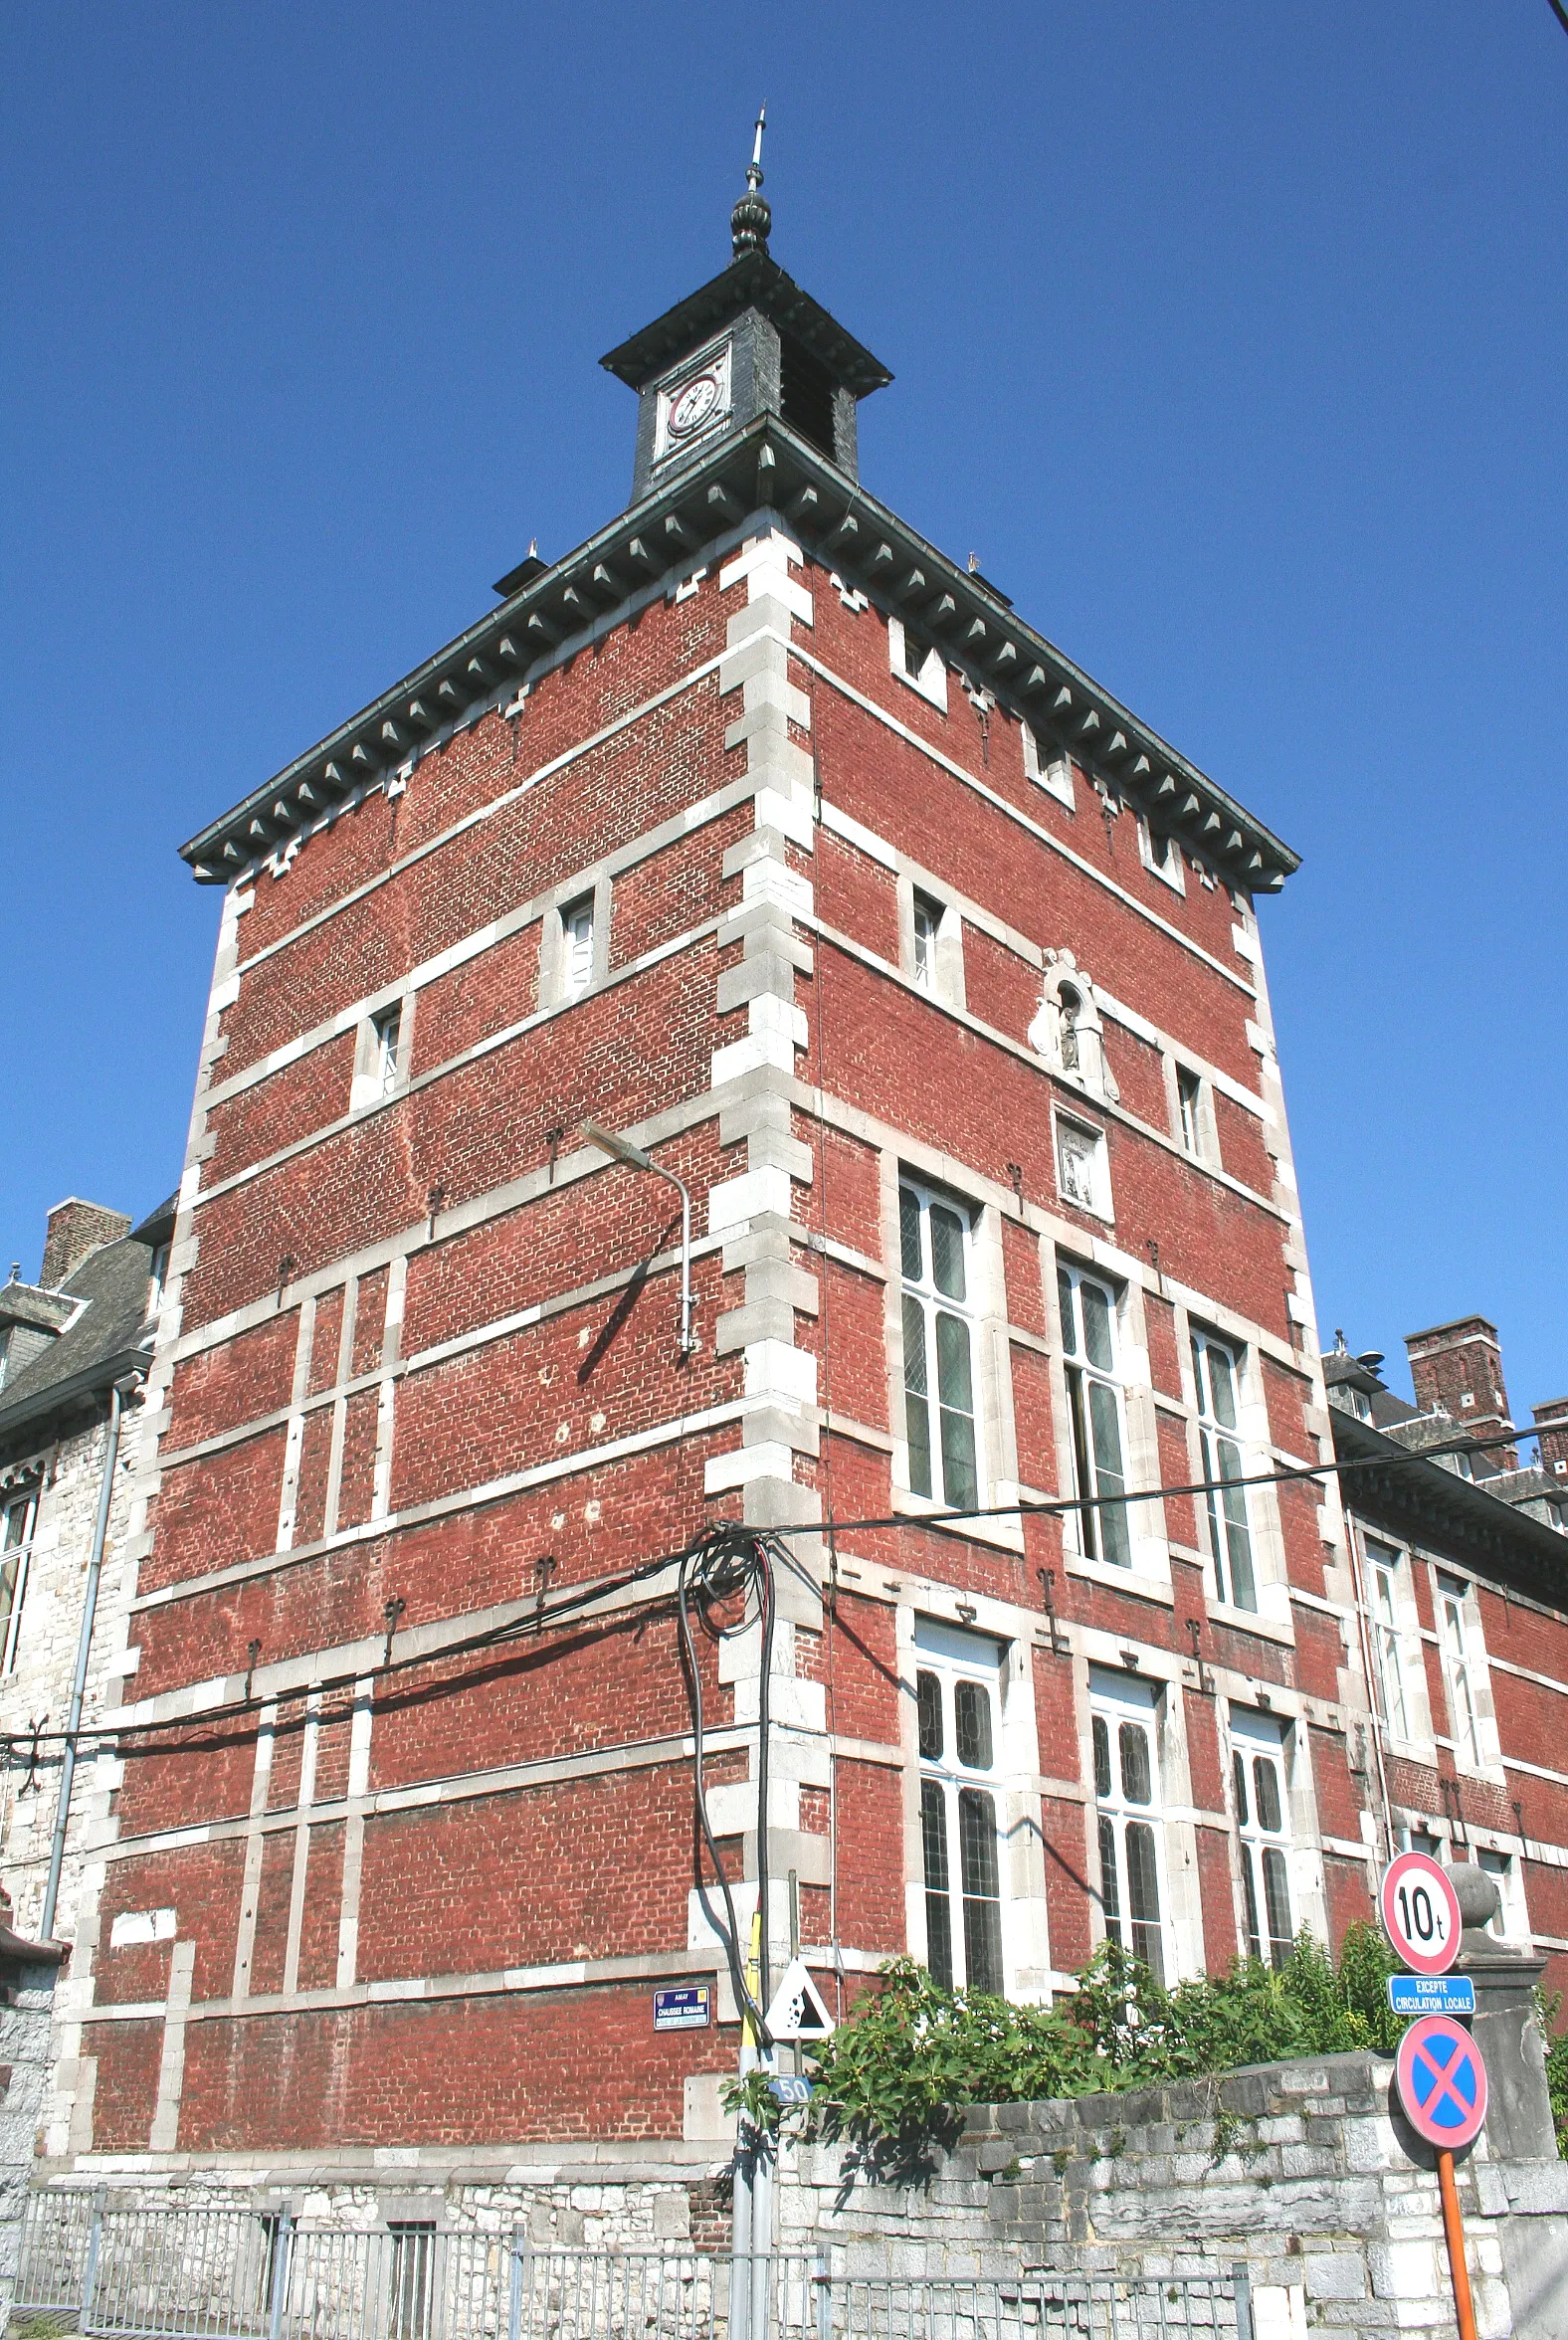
<point>748,343</point>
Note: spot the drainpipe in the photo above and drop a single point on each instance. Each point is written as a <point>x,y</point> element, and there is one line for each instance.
<point>57,1850</point>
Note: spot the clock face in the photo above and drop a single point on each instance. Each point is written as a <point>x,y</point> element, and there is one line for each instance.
<point>692,405</point>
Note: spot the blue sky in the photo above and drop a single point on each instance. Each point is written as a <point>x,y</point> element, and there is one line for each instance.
<point>1232,336</point>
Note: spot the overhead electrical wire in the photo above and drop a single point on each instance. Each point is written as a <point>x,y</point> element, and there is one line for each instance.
<point>566,1605</point>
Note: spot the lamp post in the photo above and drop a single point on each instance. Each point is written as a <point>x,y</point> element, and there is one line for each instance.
<point>609,1141</point>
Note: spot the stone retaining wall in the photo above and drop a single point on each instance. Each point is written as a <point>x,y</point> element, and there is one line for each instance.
<point>1300,2170</point>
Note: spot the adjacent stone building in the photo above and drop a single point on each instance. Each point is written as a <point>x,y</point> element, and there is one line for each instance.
<point>1461,1560</point>
<point>83,1331</point>
<point>759,845</point>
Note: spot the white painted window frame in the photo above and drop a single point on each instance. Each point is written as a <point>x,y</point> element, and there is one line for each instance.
<point>944,978</point>
<point>1174,871</point>
<point>955,1655</point>
<point>1116,1700</point>
<point>380,1069</point>
<point>1254,1736</point>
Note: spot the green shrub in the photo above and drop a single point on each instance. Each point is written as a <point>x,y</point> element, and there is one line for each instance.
<point>894,2076</point>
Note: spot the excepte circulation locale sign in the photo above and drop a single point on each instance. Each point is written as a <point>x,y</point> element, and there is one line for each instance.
<point>687,2006</point>
<point>1441,2082</point>
<point>1448,1993</point>
<point>1420,1913</point>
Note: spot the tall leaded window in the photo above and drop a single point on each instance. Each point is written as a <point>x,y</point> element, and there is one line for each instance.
<point>957,1708</point>
<point>16,1530</point>
<point>1459,1664</point>
<point>1129,1813</point>
<point>938,1347</point>
<point>1388,1640</point>
<point>1095,1410</point>
<point>1260,1787</point>
<point>1213,1368</point>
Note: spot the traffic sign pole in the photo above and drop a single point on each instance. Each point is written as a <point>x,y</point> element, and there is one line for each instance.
<point>1441,2084</point>
<point>1453,2236</point>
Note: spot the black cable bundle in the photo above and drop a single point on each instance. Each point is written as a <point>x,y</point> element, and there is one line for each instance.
<point>725,1563</point>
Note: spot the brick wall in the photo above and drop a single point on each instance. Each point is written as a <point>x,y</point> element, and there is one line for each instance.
<point>418,1371</point>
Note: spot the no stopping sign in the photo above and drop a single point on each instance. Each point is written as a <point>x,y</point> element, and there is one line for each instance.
<point>1420,1913</point>
<point>1441,2082</point>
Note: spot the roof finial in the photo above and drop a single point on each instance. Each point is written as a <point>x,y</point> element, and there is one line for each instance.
<point>751,218</point>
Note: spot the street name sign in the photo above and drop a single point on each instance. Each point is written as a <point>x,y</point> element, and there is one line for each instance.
<point>687,2006</point>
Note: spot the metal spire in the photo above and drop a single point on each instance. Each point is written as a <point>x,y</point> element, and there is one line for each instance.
<point>753,218</point>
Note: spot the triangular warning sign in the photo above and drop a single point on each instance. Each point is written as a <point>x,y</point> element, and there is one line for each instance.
<point>797,2012</point>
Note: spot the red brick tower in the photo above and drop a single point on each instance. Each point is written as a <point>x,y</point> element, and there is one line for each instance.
<point>769,840</point>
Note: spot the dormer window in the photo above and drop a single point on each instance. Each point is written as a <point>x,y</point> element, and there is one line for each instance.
<point>157,1276</point>
<point>914,663</point>
<point>1161,853</point>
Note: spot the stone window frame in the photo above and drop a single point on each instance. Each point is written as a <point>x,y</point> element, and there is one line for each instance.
<point>947,966</point>
<point>1172,872</point>
<point>1052,773</point>
<point>1099,1204</point>
<point>953,1656</point>
<point>996,1444</point>
<point>1117,1699</point>
<point>1029,1972</point>
<point>375,1079</point>
<point>1149,1572</point>
<point>1250,1734</point>
<point>1208,1430</point>
<point>1196,1131</point>
<point>1404,1627</point>
<point>21,1503</point>
<point>1448,1582</point>
<point>555,986</point>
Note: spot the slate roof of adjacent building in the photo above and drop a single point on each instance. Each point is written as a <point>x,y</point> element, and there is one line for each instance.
<point>105,1333</point>
<point>1513,1518</point>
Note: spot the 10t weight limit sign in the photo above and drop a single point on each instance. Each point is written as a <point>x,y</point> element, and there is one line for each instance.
<point>1420,1913</point>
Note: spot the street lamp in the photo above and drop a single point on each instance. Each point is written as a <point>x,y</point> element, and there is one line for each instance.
<point>611,1142</point>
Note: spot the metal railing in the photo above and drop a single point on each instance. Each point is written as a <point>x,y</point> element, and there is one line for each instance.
<point>235,2272</point>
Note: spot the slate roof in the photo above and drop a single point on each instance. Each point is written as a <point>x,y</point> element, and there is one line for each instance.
<point>1513,1520</point>
<point>106,1334</point>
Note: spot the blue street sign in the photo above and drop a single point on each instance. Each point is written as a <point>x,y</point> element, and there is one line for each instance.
<point>785,2088</point>
<point>1448,1993</point>
<point>687,2006</point>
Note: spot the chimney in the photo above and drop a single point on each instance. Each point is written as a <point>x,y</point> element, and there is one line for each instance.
<point>1458,1368</point>
<point>74,1229</point>
<point>1554,1441</point>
